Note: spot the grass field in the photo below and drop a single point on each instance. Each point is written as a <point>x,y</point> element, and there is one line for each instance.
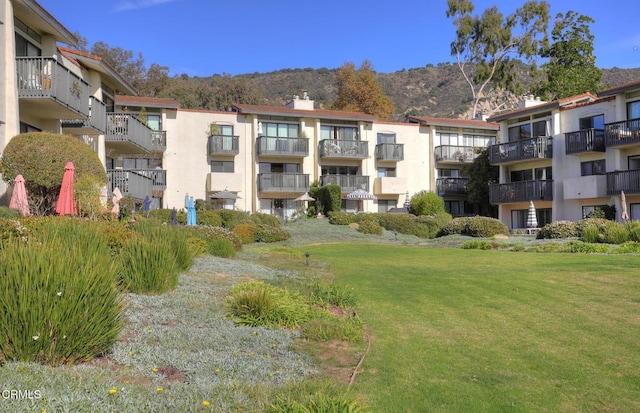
<point>488,331</point>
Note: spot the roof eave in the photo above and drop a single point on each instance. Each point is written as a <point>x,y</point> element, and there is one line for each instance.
<point>58,31</point>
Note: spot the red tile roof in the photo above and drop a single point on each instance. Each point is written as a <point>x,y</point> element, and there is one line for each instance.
<point>147,101</point>
<point>316,113</point>
<point>571,100</point>
<point>464,123</point>
<point>620,88</point>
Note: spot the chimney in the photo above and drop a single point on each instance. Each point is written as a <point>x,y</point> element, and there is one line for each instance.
<point>302,104</point>
<point>528,101</point>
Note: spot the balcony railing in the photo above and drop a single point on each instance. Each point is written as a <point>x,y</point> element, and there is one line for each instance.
<point>451,153</point>
<point>540,147</point>
<point>586,140</point>
<point>451,186</point>
<point>523,191</point>
<point>94,124</point>
<point>130,182</point>
<point>622,133</point>
<point>627,181</point>
<point>46,78</point>
<point>334,148</point>
<point>269,145</point>
<point>389,152</point>
<point>224,145</point>
<point>283,182</point>
<point>158,177</point>
<point>348,183</point>
<point>129,131</point>
<point>159,141</point>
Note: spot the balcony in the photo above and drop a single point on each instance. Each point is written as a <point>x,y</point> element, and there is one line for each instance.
<point>348,183</point>
<point>389,185</point>
<point>343,149</point>
<point>158,141</point>
<point>223,145</point>
<point>269,145</point>
<point>523,191</point>
<point>128,134</point>
<point>283,182</point>
<point>627,181</point>
<point>455,154</point>
<point>584,141</point>
<point>130,182</point>
<point>389,152</point>
<point>521,150</point>
<point>585,187</point>
<point>47,87</point>
<point>622,133</point>
<point>451,186</point>
<point>158,178</point>
<point>94,124</point>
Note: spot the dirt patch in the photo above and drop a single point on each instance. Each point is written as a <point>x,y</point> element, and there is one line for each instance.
<point>338,359</point>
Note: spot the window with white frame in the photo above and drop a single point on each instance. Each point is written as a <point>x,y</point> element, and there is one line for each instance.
<point>279,129</point>
<point>386,138</point>
<point>349,133</point>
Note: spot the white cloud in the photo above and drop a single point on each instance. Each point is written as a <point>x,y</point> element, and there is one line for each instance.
<point>138,4</point>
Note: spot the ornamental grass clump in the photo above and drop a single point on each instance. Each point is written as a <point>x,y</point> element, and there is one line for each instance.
<point>176,237</point>
<point>258,304</point>
<point>148,266</point>
<point>59,300</point>
<point>332,294</point>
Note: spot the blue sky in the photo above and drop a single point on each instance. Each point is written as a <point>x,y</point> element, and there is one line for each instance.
<point>205,37</point>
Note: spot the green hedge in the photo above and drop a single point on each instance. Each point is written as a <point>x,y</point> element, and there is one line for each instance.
<point>478,226</point>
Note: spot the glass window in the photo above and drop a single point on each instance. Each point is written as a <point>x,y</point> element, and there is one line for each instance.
<point>634,212</point>
<point>596,167</point>
<point>154,122</point>
<point>384,205</point>
<point>592,122</point>
<point>519,217</point>
<point>449,173</point>
<point>633,110</point>
<point>280,130</point>
<point>523,175</point>
<point>339,132</point>
<point>386,172</point>
<point>386,138</point>
<point>222,166</point>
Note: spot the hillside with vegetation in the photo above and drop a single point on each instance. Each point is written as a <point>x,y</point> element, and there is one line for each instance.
<point>433,90</point>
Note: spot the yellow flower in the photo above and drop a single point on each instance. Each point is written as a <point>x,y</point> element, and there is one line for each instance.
<point>159,389</point>
<point>155,369</point>
<point>206,403</point>
<point>217,370</point>
<point>113,390</point>
<point>150,331</point>
<point>255,333</point>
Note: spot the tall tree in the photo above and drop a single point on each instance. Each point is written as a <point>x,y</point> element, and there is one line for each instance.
<point>359,91</point>
<point>487,47</point>
<point>571,68</point>
<point>481,174</point>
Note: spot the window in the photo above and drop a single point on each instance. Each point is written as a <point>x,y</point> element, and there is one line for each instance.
<point>633,110</point>
<point>519,217</point>
<point>543,173</point>
<point>519,176</point>
<point>596,167</point>
<point>154,121</point>
<point>27,40</point>
<point>530,129</point>
<point>26,128</point>
<point>452,207</point>
<point>222,166</point>
<point>279,130</point>
<point>135,163</point>
<point>592,122</point>
<point>386,138</point>
<point>634,212</point>
<point>449,173</point>
<point>447,139</point>
<point>384,205</point>
<point>634,162</point>
<point>339,170</point>
<point>349,133</point>
<point>588,209</point>
<point>265,167</point>
<point>386,172</point>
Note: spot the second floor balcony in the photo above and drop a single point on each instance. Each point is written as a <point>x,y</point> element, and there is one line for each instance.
<point>455,154</point>
<point>130,182</point>
<point>158,141</point>
<point>47,86</point>
<point>348,183</point>
<point>451,186</point>
<point>389,152</point>
<point>622,133</point>
<point>94,124</point>
<point>128,134</point>
<point>158,178</point>
<point>627,181</point>
<point>522,191</point>
<point>283,182</point>
<point>343,148</point>
<point>223,145</point>
<point>583,141</point>
<point>521,150</point>
<point>275,146</point>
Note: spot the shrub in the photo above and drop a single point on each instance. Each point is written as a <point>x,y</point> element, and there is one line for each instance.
<point>164,215</point>
<point>8,213</point>
<point>331,294</point>
<point>87,190</point>
<point>209,234</point>
<point>299,398</point>
<point>477,245</point>
<point>209,217</point>
<point>268,233</point>
<point>587,248</point>
<point>41,157</point>
<point>341,218</point>
<point>148,266</point>
<point>434,223</point>
<point>456,226</point>
<point>403,224</point>
<point>485,227</point>
<point>370,226</point>
<point>265,219</point>
<point>633,227</point>
<point>221,247</point>
<point>59,301</point>
<point>176,237</point>
<point>258,304</point>
<point>615,233</point>
<point>247,232</point>
<point>328,198</point>
<point>426,203</point>
<point>591,234</point>
<point>629,247</point>
<point>599,223</point>
<point>557,229</point>
<point>11,229</point>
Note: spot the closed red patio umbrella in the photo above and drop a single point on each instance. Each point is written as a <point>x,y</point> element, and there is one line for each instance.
<point>66,201</point>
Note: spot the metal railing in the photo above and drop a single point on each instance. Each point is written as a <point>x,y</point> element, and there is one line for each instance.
<point>45,77</point>
<point>585,140</point>
<point>130,182</point>
<point>158,177</point>
<point>522,191</point>
<point>125,127</point>
<point>269,145</point>
<point>540,147</point>
<point>348,183</point>
<point>334,148</point>
<point>453,153</point>
<point>283,182</point>
<point>223,145</point>
<point>627,181</point>
<point>451,186</point>
<point>389,152</point>
<point>626,132</point>
<point>159,140</point>
<point>97,119</point>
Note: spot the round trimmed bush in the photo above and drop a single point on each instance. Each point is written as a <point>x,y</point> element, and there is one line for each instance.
<point>370,226</point>
<point>557,229</point>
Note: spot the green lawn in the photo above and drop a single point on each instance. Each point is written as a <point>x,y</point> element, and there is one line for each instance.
<point>487,331</point>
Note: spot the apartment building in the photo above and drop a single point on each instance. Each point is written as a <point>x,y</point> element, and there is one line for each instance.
<point>568,156</point>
